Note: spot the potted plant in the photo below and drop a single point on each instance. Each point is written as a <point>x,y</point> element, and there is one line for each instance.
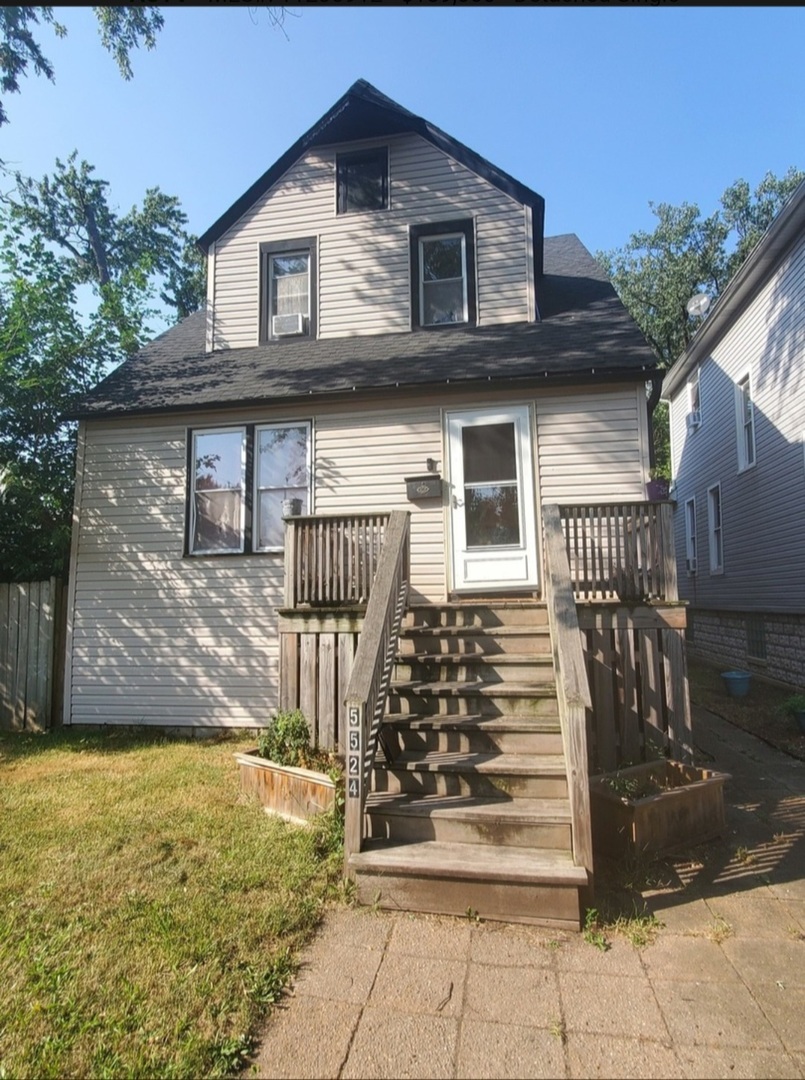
<point>793,708</point>
<point>657,806</point>
<point>657,487</point>
<point>288,775</point>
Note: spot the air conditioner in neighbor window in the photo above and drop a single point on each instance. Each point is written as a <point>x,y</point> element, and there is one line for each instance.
<point>691,566</point>
<point>694,419</point>
<point>287,325</point>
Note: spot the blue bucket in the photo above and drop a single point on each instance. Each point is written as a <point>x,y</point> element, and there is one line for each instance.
<point>737,682</point>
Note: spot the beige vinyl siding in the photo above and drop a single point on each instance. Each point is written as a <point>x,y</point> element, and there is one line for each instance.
<point>592,445</point>
<point>363,259</point>
<point>763,507</point>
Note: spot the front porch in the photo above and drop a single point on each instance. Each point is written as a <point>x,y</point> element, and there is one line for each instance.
<point>470,729</point>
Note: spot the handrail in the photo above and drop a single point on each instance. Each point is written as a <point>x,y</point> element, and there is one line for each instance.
<point>371,671</point>
<point>331,558</point>
<point>572,684</point>
<point>622,551</point>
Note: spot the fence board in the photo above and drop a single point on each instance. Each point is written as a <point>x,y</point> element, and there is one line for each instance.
<point>31,654</point>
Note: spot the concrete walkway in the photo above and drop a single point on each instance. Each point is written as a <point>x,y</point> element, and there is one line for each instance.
<point>720,992</point>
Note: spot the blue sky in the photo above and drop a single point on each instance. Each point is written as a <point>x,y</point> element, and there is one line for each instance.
<point>600,110</point>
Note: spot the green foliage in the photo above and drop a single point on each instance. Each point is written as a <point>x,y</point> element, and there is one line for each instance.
<point>121,28</point>
<point>656,272</point>
<point>791,706</point>
<point>593,932</point>
<point>286,740</point>
<point>78,283</point>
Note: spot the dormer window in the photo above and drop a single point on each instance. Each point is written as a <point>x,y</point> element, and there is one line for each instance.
<point>443,274</point>
<point>289,289</point>
<point>362,179</point>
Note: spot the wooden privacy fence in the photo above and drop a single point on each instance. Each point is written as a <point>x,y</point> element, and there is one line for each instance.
<point>621,551</point>
<point>31,654</point>
<point>638,681</point>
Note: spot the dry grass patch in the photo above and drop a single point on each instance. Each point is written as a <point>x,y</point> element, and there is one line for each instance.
<point>148,913</point>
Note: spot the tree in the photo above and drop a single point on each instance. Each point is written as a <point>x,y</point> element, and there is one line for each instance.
<point>121,28</point>
<point>62,242</point>
<point>656,273</point>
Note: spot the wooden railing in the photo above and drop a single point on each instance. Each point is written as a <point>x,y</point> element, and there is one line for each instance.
<point>332,559</point>
<point>621,551</point>
<point>572,685</point>
<point>371,671</point>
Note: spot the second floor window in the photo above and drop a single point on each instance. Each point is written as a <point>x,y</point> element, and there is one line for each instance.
<point>745,418</point>
<point>690,535</point>
<point>289,289</point>
<point>443,274</point>
<point>715,529</point>
<point>362,180</point>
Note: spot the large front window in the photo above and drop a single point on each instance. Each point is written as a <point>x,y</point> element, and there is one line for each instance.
<point>242,482</point>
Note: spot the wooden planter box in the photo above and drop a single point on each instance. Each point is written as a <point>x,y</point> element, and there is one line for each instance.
<point>295,794</point>
<point>689,809</point>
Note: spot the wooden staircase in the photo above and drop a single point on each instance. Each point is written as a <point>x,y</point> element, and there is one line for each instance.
<point>468,805</point>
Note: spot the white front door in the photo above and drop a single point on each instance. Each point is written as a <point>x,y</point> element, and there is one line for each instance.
<point>492,515</point>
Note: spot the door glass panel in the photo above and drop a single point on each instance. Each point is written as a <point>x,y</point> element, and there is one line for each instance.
<point>492,515</point>
<point>490,454</point>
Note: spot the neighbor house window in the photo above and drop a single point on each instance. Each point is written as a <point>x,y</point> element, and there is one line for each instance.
<point>755,637</point>
<point>690,535</point>
<point>443,274</point>
<point>362,180</point>
<point>218,486</point>
<point>289,289</point>
<point>239,479</point>
<point>745,419</point>
<point>715,530</point>
<point>694,418</point>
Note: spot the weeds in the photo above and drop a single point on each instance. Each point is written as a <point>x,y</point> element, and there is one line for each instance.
<point>559,1029</point>
<point>720,930</point>
<point>593,931</point>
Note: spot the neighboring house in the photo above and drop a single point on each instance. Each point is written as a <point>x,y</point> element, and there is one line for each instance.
<point>394,354</point>
<point>737,409</point>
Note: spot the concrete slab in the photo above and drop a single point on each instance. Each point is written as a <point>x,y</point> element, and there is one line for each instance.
<point>337,973</point>
<point>390,1045</point>
<point>621,958</point>
<point>737,1063</point>
<point>521,995</point>
<point>688,959</point>
<point>756,914</point>
<point>512,946</point>
<point>714,1014</point>
<point>607,1057</point>
<point>509,1052</point>
<point>760,964</point>
<point>784,1008</point>
<point>417,984</point>
<point>430,936</point>
<point>288,1052</point>
<point>613,1005</point>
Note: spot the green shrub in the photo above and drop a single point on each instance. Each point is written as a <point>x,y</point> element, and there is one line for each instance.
<point>286,740</point>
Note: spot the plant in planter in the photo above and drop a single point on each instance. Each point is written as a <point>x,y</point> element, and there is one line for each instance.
<point>652,808</point>
<point>793,708</point>
<point>289,776</point>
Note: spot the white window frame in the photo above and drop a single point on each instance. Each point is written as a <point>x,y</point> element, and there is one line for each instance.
<point>691,544</point>
<point>257,544</point>
<point>241,429</point>
<point>744,426</point>
<point>715,528</point>
<point>694,389</point>
<point>435,238</point>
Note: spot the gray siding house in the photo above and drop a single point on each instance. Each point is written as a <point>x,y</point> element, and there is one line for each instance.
<point>393,475</point>
<point>737,407</point>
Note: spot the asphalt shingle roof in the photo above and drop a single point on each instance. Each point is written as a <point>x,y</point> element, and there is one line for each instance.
<point>584,333</point>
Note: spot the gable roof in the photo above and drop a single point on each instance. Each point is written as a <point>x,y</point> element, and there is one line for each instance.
<point>749,278</point>
<point>585,334</point>
<point>363,112</point>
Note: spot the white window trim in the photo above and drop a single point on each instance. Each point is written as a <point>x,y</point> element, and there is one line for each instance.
<point>741,424</point>
<point>241,428</point>
<point>691,542</point>
<point>435,237</point>
<point>715,533</point>
<point>256,489</point>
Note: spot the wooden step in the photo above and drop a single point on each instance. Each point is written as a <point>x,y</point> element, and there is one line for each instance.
<point>461,698</point>
<point>529,885</point>
<point>477,613</point>
<point>478,667</point>
<point>473,733</point>
<point>485,775</point>
<point>531,823</point>
<point>534,640</point>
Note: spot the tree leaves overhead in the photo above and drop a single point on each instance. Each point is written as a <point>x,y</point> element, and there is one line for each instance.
<point>122,29</point>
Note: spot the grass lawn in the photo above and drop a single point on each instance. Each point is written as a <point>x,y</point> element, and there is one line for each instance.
<point>149,913</point>
<point>757,712</point>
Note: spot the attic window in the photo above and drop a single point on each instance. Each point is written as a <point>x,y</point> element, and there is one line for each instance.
<point>443,274</point>
<point>363,180</point>
<point>288,307</point>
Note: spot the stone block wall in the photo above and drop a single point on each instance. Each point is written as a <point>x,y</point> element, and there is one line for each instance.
<point>721,636</point>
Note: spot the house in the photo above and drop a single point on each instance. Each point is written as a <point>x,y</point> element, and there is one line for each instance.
<point>737,412</point>
<point>374,479</point>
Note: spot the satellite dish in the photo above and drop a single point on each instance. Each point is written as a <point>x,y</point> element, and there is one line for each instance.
<point>698,304</point>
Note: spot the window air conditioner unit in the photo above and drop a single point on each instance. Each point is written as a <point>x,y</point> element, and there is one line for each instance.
<point>691,566</point>
<point>287,325</point>
<point>694,419</point>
